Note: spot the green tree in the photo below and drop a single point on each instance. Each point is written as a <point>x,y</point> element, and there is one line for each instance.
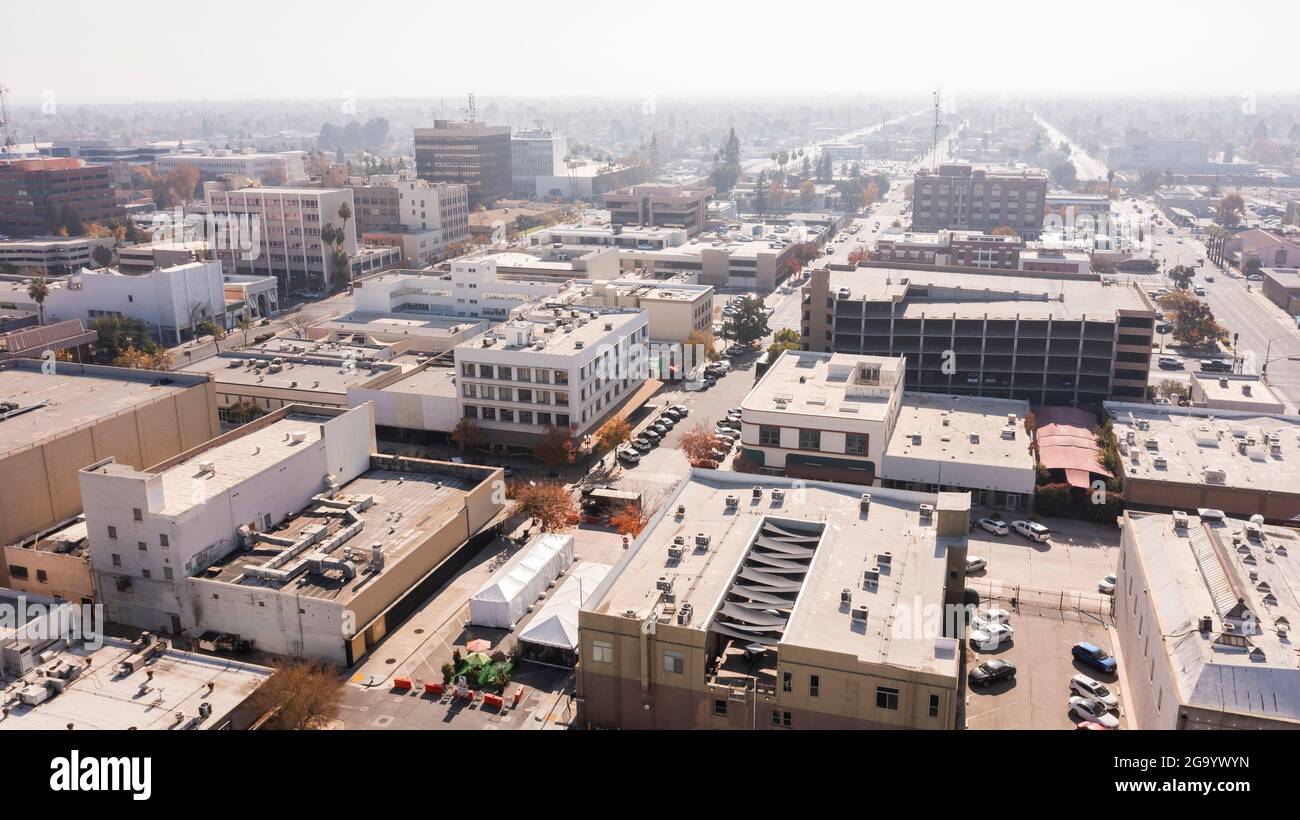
<point>783,340</point>
<point>1065,175</point>
<point>38,289</point>
<point>118,333</point>
<point>1181,276</point>
<point>749,323</point>
<point>1193,321</point>
<point>1231,208</point>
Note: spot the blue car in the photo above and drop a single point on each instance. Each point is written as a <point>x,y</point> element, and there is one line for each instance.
<point>1094,656</point>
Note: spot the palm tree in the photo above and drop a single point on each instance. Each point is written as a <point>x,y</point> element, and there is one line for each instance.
<point>38,289</point>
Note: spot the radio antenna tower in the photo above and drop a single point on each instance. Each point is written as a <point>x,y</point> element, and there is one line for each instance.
<point>5,125</point>
<point>934,147</point>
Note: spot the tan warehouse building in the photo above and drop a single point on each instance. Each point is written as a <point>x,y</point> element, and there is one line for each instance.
<point>760,602</point>
<point>57,423</point>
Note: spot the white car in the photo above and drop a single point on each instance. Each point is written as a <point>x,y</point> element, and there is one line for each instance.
<point>1031,530</point>
<point>995,527</point>
<point>1094,689</point>
<point>975,563</point>
<point>988,617</point>
<point>1107,585</point>
<point>1089,709</point>
<point>991,636</point>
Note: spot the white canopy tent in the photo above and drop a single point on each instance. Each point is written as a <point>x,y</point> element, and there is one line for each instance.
<point>505,598</point>
<point>556,623</point>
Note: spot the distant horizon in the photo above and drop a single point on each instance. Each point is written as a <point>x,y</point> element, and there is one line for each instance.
<point>673,49</point>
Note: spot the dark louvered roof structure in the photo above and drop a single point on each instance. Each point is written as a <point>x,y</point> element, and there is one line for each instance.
<point>757,605</point>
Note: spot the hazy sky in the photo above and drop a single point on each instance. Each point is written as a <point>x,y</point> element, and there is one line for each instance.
<point>238,49</point>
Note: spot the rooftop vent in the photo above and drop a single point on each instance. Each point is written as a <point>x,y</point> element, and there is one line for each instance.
<point>207,466</point>
<point>927,512</point>
<point>860,613</point>
<point>1180,520</point>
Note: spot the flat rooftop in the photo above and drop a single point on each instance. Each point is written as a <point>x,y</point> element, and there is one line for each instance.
<point>328,350</point>
<point>75,396</point>
<point>101,698</point>
<point>419,325</point>
<point>409,508</point>
<point>829,385</point>
<point>1230,387</point>
<point>557,334</point>
<point>1233,447</point>
<point>995,295</point>
<point>846,541</point>
<point>1203,571</point>
<point>306,373</point>
<point>965,429</point>
<point>431,381</point>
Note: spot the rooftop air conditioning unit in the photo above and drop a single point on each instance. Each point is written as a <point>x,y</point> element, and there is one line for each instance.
<point>1160,463</point>
<point>864,503</point>
<point>675,552</point>
<point>884,558</point>
<point>974,438</point>
<point>733,501</point>
<point>846,596</point>
<point>871,577</point>
<point>679,540</point>
<point>758,491</point>
<point>1180,520</point>
<point>778,495</point>
<point>1009,434</point>
<point>1206,624</point>
<point>1011,419</point>
<point>684,614</point>
<point>701,539</point>
<point>927,512</point>
<point>577,345</point>
<point>207,466</point>
<point>298,436</point>
<point>664,584</point>
<point>860,613</point>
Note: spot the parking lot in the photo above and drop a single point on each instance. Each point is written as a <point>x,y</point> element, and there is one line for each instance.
<point>1051,591</point>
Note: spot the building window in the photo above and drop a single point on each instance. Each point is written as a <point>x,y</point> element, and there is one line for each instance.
<point>934,706</point>
<point>769,436</point>
<point>42,576</point>
<point>787,681</point>
<point>164,541</point>
<point>137,514</point>
<point>886,698</point>
<point>146,573</point>
<point>810,439</point>
<point>117,560</point>
<point>18,572</point>
<point>167,573</point>
<point>602,652</point>
<point>720,708</point>
<point>112,532</point>
<point>780,718</point>
<point>855,444</point>
<point>814,685</point>
<point>140,545</point>
<point>674,662</point>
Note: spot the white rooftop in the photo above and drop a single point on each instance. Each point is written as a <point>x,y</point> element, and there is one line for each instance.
<point>837,385</point>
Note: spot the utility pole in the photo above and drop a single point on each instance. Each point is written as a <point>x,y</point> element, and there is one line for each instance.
<point>934,147</point>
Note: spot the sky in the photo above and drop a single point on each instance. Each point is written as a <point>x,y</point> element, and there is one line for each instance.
<point>129,50</point>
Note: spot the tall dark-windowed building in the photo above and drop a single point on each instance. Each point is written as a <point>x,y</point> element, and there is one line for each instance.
<point>1056,339</point>
<point>38,196</point>
<point>959,197</point>
<point>467,153</point>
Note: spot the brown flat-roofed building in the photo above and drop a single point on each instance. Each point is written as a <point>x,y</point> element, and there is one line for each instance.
<point>755,602</point>
<point>38,196</point>
<point>660,206</point>
<point>965,198</point>
<point>473,154</point>
<point>58,422</point>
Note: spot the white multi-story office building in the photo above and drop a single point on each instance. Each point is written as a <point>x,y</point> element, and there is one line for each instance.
<point>472,289</point>
<point>537,152</point>
<point>570,369</point>
<point>287,223</point>
<point>420,217</point>
<point>278,168</point>
<point>171,300</point>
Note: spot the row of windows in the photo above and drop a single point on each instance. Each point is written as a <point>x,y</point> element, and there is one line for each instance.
<point>508,416</point>
<point>523,374</point>
<point>854,443</point>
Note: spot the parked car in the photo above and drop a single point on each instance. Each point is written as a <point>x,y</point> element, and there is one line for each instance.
<point>728,424</point>
<point>727,433</point>
<point>1094,656</point>
<point>628,455</point>
<point>991,636</point>
<point>736,350</point>
<point>641,445</point>
<point>651,436</point>
<point>666,420</point>
<point>681,410</point>
<point>1198,290</point>
<point>1107,585</point>
<point>975,563</point>
<point>994,526</point>
<point>672,413</point>
<point>1170,363</point>
<point>1085,686</point>
<point>992,615</point>
<point>1165,327</point>
<point>660,428</point>
<point>1089,709</point>
<point>1032,530</point>
<point>990,672</point>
